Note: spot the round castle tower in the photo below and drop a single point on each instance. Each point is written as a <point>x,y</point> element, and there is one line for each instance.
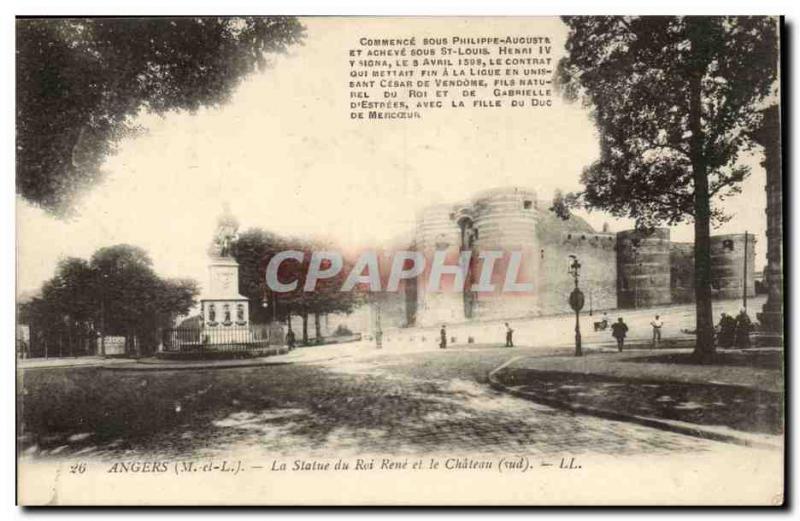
<point>505,220</point>
<point>728,265</point>
<point>643,267</point>
<point>437,231</point>
<point>501,220</point>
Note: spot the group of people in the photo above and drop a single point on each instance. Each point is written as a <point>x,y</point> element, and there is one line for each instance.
<point>730,332</point>
<point>734,332</point>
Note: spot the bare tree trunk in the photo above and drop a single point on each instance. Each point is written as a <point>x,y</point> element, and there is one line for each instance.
<point>702,227</point>
<point>305,329</point>
<point>317,335</point>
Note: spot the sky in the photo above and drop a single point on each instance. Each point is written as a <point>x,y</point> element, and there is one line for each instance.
<point>285,155</point>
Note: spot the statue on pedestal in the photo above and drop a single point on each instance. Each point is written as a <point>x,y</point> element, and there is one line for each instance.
<point>223,306</point>
<point>225,235</point>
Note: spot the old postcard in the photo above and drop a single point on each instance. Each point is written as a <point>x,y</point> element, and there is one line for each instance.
<point>399,261</point>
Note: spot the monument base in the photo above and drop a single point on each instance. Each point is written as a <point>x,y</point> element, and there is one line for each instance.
<point>771,334</point>
<point>276,336</point>
<point>211,354</point>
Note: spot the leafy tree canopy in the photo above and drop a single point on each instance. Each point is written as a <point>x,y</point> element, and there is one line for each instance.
<point>638,76</point>
<point>255,248</point>
<point>677,101</point>
<point>81,83</point>
<point>117,289</point>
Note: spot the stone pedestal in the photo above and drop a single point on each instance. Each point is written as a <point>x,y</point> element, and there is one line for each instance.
<point>222,306</point>
<point>769,137</point>
<point>276,336</point>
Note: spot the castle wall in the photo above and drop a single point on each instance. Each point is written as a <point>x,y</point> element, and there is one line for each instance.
<point>681,260</point>
<point>437,230</point>
<point>598,274</point>
<point>727,268</point>
<point>511,220</point>
<point>643,268</point>
<point>630,269</point>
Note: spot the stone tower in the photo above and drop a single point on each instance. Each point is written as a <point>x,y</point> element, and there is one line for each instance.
<point>643,268</point>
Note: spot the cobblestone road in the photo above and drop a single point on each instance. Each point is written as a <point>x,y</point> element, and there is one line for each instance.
<point>417,403</point>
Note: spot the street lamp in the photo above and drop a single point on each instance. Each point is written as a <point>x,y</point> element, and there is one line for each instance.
<point>636,272</point>
<point>103,315</point>
<point>268,302</point>
<point>378,330</point>
<point>576,301</point>
<point>744,274</point>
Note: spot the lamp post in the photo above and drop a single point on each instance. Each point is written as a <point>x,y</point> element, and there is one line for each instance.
<point>103,317</point>
<point>576,301</point>
<point>744,274</point>
<point>268,302</point>
<point>378,330</point>
<point>635,277</point>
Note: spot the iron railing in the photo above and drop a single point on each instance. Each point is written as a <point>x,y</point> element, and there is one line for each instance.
<point>228,339</point>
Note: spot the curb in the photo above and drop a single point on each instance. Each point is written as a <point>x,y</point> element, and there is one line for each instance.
<point>145,366</point>
<point>697,432</point>
<point>98,364</point>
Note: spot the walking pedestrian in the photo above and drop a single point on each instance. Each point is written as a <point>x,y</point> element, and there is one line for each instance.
<point>443,341</point>
<point>290,339</point>
<point>743,327</point>
<point>618,330</point>
<point>657,323</point>
<point>509,336</point>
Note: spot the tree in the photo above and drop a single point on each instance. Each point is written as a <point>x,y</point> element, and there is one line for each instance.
<point>327,297</point>
<point>133,300</point>
<point>81,83</point>
<point>116,292</point>
<point>675,100</point>
<point>67,291</point>
<point>255,248</point>
<point>562,204</point>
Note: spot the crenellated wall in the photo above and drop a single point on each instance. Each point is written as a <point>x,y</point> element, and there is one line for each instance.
<point>508,220</point>
<point>629,269</point>
<point>598,274</point>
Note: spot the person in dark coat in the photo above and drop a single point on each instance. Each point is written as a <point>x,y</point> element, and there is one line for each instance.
<point>509,336</point>
<point>290,339</point>
<point>743,328</point>
<point>727,331</point>
<point>618,330</point>
<point>443,341</point>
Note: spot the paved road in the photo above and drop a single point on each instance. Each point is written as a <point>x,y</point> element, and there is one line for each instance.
<point>362,403</point>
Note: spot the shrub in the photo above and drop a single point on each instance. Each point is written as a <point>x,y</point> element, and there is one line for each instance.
<point>342,330</point>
